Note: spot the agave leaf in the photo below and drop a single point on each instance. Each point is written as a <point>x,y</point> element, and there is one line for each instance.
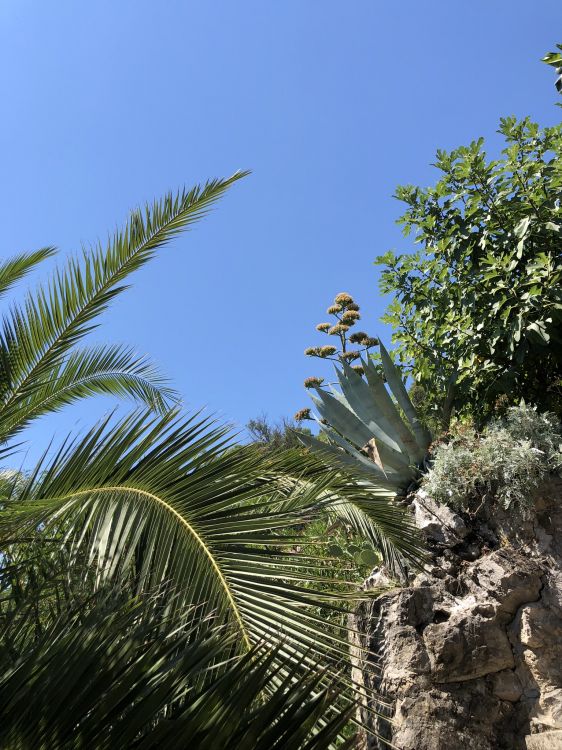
<point>341,418</point>
<point>342,459</point>
<point>399,390</point>
<point>391,476</point>
<point>347,423</point>
<point>339,397</point>
<point>336,456</point>
<point>388,408</point>
<point>362,401</point>
<point>350,426</point>
<point>397,476</point>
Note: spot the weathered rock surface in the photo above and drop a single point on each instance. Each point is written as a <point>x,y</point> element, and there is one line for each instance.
<point>545,741</point>
<point>438,522</point>
<point>469,653</point>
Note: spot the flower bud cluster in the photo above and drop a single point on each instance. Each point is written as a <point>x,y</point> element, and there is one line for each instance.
<point>313,382</point>
<point>346,313</point>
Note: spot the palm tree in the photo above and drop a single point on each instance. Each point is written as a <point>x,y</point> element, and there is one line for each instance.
<point>195,537</point>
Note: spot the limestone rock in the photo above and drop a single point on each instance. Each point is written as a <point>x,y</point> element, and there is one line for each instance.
<point>506,686</point>
<point>545,741</point>
<point>470,646</point>
<point>438,522</point>
<point>469,654</point>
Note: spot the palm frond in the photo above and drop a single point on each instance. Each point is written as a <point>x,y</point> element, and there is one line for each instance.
<point>114,370</point>
<point>37,336</point>
<point>118,673</point>
<point>149,501</point>
<point>14,269</point>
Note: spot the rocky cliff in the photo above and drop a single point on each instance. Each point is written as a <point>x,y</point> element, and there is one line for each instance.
<point>468,654</point>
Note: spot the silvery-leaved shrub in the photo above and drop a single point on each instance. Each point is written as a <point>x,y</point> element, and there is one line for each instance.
<point>503,464</point>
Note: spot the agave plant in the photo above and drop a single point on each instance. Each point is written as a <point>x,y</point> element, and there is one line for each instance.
<point>374,432</point>
<point>382,435</point>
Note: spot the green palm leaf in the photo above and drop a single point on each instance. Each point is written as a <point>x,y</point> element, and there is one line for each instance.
<point>113,370</point>
<point>14,269</point>
<point>169,500</point>
<point>156,502</point>
<point>38,335</point>
<point>113,672</point>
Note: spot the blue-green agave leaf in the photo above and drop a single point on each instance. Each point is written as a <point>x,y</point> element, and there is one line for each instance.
<point>352,428</point>
<point>361,400</point>
<point>398,388</point>
<point>384,400</point>
<point>341,418</point>
<point>394,475</point>
<point>338,457</point>
<point>390,459</point>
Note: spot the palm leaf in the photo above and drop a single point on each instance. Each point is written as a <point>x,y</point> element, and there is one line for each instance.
<point>367,506</point>
<point>14,269</point>
<point>167,490</point>
<point>113,370</point>
<point>38,335</point>
<point>114,672</point>
<point>151,501</point>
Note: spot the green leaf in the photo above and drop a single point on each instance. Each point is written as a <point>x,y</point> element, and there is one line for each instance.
<point>390,418</point>
<point>334,550</point>
<point>522,227</point>
<point>361,399</point>
<point>342,418</point>
<point>171,500</point>
<point>539,333</point>
<point>114,672</point>
<point>13,270</point>
<point>369,557</point>
<point>553,58</point>
<point>423,438</point>
<point>111,370</point>
<point>348,458</point>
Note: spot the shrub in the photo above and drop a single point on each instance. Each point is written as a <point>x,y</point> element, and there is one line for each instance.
<point>502,465</point>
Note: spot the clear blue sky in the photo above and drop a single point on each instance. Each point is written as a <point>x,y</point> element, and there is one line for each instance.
<point>331,104</point>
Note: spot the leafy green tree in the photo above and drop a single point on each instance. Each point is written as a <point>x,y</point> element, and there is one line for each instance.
<point>477,310</point>
<point>271,436</point>
<point>197,537</point>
